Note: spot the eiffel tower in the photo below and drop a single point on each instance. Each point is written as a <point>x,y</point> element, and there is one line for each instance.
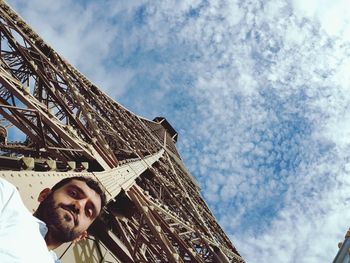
<point>55,123</point>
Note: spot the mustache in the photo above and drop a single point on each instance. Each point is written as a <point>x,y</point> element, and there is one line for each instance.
<point>73,210</point>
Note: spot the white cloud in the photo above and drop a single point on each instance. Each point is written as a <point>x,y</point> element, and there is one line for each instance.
<point>332,15</point>
<point>72,30</point>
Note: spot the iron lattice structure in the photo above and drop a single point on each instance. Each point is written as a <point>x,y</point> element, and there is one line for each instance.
<point>67,126</point>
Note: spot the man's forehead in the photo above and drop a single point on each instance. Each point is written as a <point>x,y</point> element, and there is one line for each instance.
<point>79,183</point>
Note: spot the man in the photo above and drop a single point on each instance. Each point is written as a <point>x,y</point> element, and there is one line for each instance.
<point>64,214</point>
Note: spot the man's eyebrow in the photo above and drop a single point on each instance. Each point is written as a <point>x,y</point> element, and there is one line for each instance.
<point>81,191</point>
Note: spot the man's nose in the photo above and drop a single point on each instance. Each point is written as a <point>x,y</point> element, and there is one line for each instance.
<point>79,205</point>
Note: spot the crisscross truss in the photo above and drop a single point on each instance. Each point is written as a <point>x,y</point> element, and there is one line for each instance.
<point>58,112</point>
<point>56,123</point>
<point>162,218</point>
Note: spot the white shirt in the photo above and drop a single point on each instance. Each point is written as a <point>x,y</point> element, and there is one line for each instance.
<point>21,234</point>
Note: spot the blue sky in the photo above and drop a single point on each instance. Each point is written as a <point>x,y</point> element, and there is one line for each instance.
<point>258,91</point>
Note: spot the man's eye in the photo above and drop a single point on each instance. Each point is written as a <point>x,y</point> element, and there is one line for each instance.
<point>73,193</point>
<point>89,212</point>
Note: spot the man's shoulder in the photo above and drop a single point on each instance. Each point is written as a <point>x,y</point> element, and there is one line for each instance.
<point>6,189</point>
<point>17,226</point>
<point>6,185</point>
<point>9,196</point>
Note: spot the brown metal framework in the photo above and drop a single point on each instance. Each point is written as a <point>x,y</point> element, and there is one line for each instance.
<point>68,126</point>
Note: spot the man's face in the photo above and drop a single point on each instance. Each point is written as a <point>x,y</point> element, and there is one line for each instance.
<point>70,210</point>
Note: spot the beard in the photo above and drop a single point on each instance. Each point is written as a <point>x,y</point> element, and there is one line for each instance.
<point>61,226</point>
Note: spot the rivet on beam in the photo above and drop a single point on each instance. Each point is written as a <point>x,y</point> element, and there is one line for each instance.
<point>50,112</point>
<point>85,166</point>
<point>158,228</point>
<point>28,163</point>
<point>26,90</point>
<point>176,256</point>
<point>71,165</point>
<point>51,164</point>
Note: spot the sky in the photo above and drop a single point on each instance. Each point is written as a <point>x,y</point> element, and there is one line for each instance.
<point>259,92</point>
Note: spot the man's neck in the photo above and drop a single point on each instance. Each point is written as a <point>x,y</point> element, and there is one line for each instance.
<point>50,242</point>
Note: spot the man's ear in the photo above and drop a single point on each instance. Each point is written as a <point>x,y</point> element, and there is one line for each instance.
<point>82,236</point>
<point>43,194</point>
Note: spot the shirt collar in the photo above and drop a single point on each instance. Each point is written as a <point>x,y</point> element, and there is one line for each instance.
<point>43,231</point>
<point>42,227</point>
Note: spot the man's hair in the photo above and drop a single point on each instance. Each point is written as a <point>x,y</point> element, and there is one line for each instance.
<point>94,185</point>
